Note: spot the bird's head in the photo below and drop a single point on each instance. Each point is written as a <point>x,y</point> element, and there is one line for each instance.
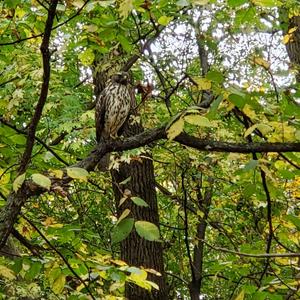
<point>121,77</point>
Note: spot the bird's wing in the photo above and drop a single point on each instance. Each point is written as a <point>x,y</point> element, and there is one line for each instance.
<point>100,116</point>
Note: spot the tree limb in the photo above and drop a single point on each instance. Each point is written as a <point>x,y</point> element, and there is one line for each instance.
<point>28,189</point>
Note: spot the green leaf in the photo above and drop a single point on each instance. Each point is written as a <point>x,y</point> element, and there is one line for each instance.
<point>164,20</point>
<point>139,202</point>
<point>268,3</point>
<point>33,271</point>
<point>147,230</point>
<point>295,220</point>
<point>18,139</point>
<point>252,164</point>
<point>235,3</point>
<point>87,57</point>
<point>237,100</point>
<point>175,129</point>
<point>41,180</point>
<point>78,173</point>
<point>122,230</point>
<point>215,76</point>
<point>18,182</point>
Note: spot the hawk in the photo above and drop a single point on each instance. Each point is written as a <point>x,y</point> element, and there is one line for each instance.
<point>112,108</point>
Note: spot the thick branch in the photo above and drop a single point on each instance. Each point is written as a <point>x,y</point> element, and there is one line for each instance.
<point>44,90</point>
<point>9,213</point>
<point>29,189</point>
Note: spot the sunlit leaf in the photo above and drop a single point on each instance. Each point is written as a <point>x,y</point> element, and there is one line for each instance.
<point>59,284</point>
<point>147,230</point>
<point>175,129</point>
<point>164,20</point>
<point>78,173</point>
<point>7,273</point>
<point>87,57</point>
<point>267,3</point>
<point>41,180</point>
<point>57,173</point>
<point>18,182</point>
<point>126,6</point>
<point>124,214</point>
<point>202,83</point>
<point>261,62</point>
<point>197,120</point>
<point>240,296</point>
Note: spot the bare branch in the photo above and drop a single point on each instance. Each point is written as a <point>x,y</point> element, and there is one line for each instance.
<point>260,255</point>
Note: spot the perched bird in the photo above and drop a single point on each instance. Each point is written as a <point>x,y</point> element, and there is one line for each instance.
<point>112,109</point>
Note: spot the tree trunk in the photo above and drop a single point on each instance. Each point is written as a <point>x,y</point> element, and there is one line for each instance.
<point>135,250</point>
<point>293,46</point>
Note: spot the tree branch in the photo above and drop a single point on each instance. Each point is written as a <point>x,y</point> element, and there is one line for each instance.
<point>15,201</point>
<point>260,255</point>
<point>36,138</point>
<point>44,90</point>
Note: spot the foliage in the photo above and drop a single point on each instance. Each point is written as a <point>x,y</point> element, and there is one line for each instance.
<point>73,230</point>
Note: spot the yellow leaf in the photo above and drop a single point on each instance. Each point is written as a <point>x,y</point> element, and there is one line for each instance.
<point>118,262</point>
<point>124,214</point>
<point>18,182</point>
<point>56,225</point>
<point>197,120</point>
<point>250,130</point>
<point>175,129</point>
<point>125,7</point>
<point>286,38</point>
<point>59,284</point>
<point>202,83</point>
<point>249,112</point>
<point>152,271</point>
<point>78,173</point>
<point>4,179</point>
<point>48,221</point>
<point>87,57</point>
<point>261,62</point>
<point>7,273</point>
<point>264,128</point>
<point>57,173</point>
<point>199,2</point>
<point>164,20</point>
<point>240,296</point>
<point>293,29</point>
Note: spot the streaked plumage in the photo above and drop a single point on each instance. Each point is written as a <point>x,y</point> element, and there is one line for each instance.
<point>112,109</point>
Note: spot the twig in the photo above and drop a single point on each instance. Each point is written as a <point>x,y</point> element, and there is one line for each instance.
<point>55,27</point>
<point>260,255</point>
<point>60,255</point>
<point>36,138</point>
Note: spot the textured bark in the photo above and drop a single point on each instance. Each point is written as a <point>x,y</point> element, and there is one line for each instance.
<point>293,47</point>
<point>136,250</point>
